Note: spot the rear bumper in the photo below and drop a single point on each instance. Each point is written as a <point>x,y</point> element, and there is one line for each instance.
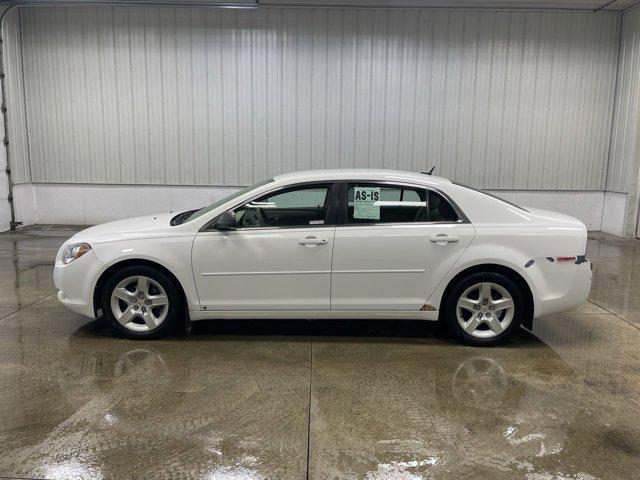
<point>559,286</point>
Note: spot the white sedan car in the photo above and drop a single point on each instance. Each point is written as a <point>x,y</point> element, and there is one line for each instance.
<point>333,244</point>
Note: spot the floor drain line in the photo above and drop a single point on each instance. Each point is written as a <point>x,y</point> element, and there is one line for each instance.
<point>309,407</point>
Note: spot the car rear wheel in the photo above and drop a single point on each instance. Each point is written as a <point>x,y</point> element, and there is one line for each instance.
<point>484,309</point>
<point>141,302</point>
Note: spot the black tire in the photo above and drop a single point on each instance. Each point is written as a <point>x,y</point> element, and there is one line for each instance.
<point>175,308</point>
<point>450,319</point>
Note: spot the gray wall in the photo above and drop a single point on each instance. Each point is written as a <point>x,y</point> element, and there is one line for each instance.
<point>621,171</point>
<point>624,160</point>
<point>140,95</point>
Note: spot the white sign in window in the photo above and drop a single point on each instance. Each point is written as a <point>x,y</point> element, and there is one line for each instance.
<point>366,203</point>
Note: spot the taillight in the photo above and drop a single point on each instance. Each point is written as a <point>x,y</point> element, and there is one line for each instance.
<point>566,259</point>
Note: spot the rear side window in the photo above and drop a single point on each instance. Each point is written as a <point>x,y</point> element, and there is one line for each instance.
<point>383,203</point>
<point>378,203</point>
<point>440,210</point>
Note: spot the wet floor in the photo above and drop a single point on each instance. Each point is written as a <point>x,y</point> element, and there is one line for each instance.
<point>248,400</point>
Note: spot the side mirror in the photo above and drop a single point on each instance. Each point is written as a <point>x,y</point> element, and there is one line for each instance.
<point>226,221</point>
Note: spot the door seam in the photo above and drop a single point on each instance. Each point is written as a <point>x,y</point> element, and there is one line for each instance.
<point>333,246</point>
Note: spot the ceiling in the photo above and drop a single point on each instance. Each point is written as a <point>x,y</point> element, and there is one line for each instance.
<point>616,5</point>
<point>592,5</point>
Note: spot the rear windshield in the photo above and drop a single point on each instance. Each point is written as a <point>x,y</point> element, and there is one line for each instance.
<point>492,195</point>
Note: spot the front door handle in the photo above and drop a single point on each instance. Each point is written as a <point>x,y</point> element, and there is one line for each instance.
<point>443,239</point>
<point>312,241</point>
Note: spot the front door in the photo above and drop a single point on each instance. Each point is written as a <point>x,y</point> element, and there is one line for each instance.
<point>279,257</point>
<point>394,246</point>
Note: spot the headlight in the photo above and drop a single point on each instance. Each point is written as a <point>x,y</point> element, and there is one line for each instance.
<point>74,251</point>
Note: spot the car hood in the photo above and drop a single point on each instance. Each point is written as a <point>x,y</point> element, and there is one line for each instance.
<point>131,228</point>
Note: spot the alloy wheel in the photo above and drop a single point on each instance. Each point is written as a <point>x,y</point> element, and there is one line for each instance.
<point>485,310</point>
<point>139,303</point>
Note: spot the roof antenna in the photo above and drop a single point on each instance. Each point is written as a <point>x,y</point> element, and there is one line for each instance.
<point>430,171</point>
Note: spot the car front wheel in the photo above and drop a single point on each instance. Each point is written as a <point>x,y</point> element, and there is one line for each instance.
<point>141,302</point>
<point>484,309</point>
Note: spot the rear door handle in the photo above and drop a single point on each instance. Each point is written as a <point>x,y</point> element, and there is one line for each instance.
<point>312,241</point>
<point>443,239</point>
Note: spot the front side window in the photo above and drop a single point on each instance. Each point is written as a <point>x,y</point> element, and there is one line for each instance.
<point>381,203</point>
<point>294,207</point>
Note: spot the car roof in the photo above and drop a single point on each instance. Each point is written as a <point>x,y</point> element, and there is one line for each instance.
<point>361,174</point>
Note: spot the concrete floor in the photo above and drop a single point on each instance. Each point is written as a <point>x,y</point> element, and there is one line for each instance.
<point>247,400</point>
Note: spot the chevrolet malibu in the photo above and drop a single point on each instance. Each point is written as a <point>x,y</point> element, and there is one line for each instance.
<point>343,244</point>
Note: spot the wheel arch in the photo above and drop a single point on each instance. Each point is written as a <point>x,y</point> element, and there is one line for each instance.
<point>97,291</point>
<point>507,272</point>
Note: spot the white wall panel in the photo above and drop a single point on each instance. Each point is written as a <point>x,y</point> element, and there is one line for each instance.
<point>141,95</point>
<point>83,204</point>
<point>613,214</point>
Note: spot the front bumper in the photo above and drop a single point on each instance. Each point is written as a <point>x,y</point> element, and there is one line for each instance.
<point>76,283</point>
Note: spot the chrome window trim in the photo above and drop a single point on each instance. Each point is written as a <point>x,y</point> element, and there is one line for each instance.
<point>401,224</point>
<point>266,229</point>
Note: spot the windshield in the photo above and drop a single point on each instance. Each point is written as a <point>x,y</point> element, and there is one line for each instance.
<point>491,195</point>
<point>213,206</point>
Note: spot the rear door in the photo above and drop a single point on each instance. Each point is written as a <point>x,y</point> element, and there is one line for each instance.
<point>393,244</point>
